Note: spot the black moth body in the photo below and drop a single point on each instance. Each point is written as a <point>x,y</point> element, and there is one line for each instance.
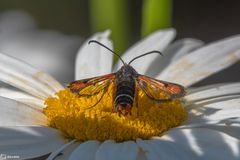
<point>125,89</point>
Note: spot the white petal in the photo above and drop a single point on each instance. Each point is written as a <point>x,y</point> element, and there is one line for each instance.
<point>213,91</point>
<point>204,112</point>
<point>183,47</point>
<point>64,151</point>
<point>29,142</point>
<point>22,97</point>
<point>207,143</point>
<point>27,78</point>
<point>94,60</point>
<point>110,150</point>
<point>232,130</point>
<point>161,149</point>
<point>48,80</point>
<point>86,151</point>
<point>197,143</point>
<point>174,51</point>
<point>227,122</point>
<point>15,113</point>
<point>203,62</point>
<point>230,126</point>
<point>158,40</point>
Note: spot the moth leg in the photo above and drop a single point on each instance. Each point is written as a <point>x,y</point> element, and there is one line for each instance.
<point>104,91</point>
<point>89,95</point>
<point>136,98</point>
<point>113,97</point>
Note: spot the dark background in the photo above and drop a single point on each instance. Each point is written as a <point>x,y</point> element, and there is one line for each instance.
<point>207,20</point>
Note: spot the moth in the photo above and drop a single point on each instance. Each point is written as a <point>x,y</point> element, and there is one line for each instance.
<point>127,83</point>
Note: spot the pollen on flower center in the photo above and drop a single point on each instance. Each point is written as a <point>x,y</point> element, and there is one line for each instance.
<point>71,114</point>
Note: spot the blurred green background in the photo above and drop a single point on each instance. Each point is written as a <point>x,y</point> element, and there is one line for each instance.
<point>130,20</point>
<point>205,20</point>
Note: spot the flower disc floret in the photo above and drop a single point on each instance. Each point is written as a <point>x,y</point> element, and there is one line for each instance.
<point>75,118</point>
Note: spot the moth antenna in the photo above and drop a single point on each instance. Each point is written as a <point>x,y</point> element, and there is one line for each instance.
<point>94,41</point>
<point>151,52</point>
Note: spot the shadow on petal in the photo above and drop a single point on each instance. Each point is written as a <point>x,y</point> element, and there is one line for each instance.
<point>29,142</point>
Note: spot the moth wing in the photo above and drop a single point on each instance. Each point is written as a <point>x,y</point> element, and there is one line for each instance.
<point>92,87</point>
<point>155,89</point>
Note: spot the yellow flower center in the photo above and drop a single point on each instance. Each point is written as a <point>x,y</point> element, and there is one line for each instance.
<point>71,114</point>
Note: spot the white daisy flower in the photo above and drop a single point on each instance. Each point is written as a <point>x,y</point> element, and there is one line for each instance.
<point>211,130</point>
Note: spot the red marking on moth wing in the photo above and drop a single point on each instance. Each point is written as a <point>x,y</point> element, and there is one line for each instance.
<point>174,89</point>
<point>77,85</point>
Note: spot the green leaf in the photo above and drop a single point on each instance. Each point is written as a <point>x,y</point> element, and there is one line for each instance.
<point>156,14</point>
<point>111,14</point>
